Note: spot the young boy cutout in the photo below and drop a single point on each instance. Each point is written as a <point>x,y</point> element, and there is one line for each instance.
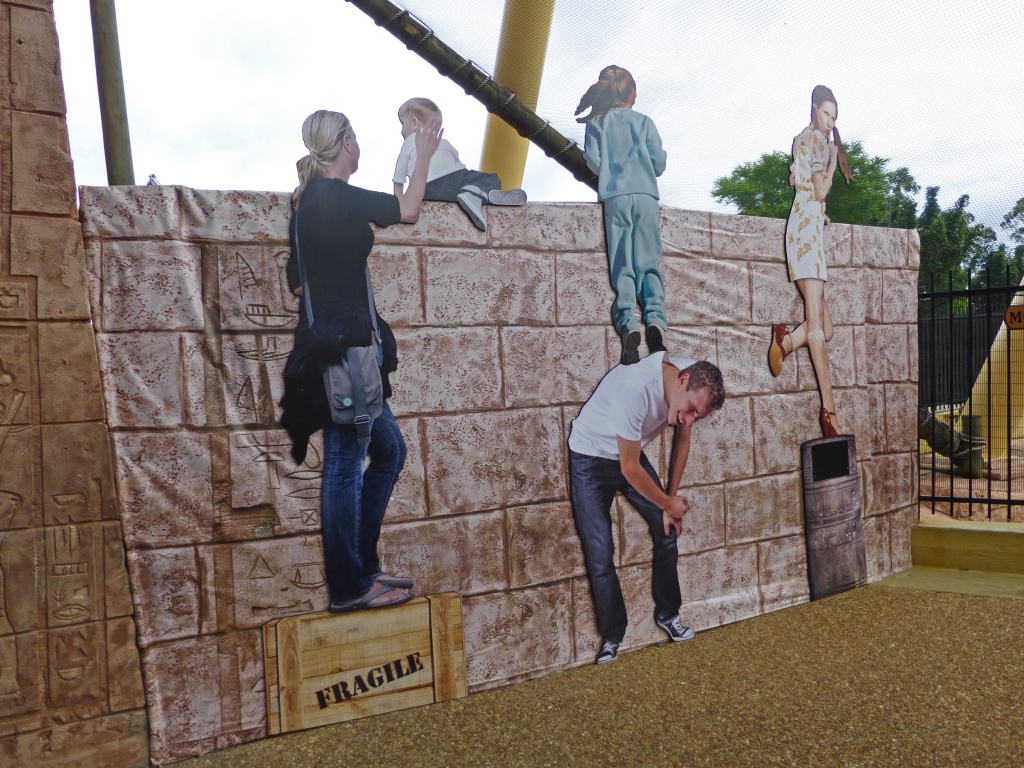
<point>448,179</point>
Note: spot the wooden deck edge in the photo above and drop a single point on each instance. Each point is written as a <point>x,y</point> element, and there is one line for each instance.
<point>968,545</point>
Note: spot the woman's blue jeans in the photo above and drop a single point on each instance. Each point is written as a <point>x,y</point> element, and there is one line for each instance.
<point>593,483</point>
<point>353,501</point>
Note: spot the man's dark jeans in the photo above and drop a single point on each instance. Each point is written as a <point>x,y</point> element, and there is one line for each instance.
<point>594,482</point>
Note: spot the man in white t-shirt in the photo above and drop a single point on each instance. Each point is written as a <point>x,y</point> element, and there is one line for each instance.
<point>632,405</point>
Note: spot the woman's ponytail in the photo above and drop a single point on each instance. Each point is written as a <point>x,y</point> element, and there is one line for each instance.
<point>323,133</point>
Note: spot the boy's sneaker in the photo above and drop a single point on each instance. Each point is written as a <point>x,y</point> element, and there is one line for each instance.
<point>511,197</point>
<point>630,347</point>
<point>655,339</point>
<point>473,205</point>
<point>609,652</point>
<point>675,629</point>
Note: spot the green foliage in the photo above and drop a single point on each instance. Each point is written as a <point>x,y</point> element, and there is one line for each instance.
<point>1013,222</point>
<point>953,242</point>
<point>760,188</point>
<point>876,197</point>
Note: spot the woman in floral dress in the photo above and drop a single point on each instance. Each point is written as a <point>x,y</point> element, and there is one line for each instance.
<point>815,157</point>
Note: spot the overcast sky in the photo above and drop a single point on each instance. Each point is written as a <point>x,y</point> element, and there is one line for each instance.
<point>217,90</point>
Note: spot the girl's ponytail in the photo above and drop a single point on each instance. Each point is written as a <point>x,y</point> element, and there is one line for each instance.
<point>613,88</point>
<point>844,161</point>
<point>820,95</point>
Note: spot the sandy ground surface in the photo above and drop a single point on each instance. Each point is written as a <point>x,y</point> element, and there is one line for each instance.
<point>878,676</point>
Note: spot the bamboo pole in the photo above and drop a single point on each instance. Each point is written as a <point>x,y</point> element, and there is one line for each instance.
<point>117,146</point>
<point>498,100</point>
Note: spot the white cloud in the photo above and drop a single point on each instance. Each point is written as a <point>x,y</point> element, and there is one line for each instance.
<point>217,91</point>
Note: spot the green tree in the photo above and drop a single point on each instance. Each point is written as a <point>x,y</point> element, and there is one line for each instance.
<point>902,210</point>
<point>760,188</point>
<point>1013,222</point>
<point>952,242</point>
<point>995,265</point>
<point>1000,266</point>
<point>936,260</point>
<point>877,196</point>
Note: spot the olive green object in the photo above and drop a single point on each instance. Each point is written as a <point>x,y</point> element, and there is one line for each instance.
<point>117,145</point>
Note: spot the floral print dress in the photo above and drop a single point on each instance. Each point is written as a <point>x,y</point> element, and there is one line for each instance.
<point>805,230</point>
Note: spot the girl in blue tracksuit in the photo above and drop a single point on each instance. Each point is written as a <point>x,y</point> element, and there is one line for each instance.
<point>624,149</point>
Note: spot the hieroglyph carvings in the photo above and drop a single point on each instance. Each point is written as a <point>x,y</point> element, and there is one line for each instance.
<point>70,678</point>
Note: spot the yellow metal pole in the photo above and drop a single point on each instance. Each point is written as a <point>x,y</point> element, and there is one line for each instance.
<point>523,44</point>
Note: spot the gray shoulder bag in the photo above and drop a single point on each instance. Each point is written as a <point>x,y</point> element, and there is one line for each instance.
<point>354,387</point>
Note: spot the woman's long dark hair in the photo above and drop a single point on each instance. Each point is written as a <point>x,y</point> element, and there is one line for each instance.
<point>613,88</point>
<point>819,96</point>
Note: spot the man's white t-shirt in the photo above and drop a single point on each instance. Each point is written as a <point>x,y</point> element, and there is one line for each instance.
<point>630,403</point>
<point>444,161</point>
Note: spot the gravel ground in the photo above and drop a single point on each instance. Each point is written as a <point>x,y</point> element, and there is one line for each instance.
<point>873,677</point>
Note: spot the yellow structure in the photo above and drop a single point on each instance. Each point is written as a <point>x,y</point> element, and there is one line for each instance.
<point>998,393</point>
<point>525,28</point>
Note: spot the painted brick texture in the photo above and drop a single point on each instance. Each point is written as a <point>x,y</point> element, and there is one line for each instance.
<point>502,337</point>
<point>71,690</point>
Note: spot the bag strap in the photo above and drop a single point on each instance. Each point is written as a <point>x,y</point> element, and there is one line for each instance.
<point>355,370</point>
<point>362,419</point>
<point>302,274</point>
<point>373,305</point>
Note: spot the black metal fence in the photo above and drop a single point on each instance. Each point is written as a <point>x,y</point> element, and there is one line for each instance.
<point>973,466</point>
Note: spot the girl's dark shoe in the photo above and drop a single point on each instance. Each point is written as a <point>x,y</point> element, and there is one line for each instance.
<point>630,347</point>
<point>655,339</point>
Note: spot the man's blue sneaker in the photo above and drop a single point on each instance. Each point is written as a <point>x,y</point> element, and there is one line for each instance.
<point>609,652</point>
<point>675,629</point>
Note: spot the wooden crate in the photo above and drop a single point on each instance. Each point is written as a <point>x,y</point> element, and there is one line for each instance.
<point>327,668</point>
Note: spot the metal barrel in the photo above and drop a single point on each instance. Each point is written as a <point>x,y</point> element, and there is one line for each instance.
<point>832,515</point>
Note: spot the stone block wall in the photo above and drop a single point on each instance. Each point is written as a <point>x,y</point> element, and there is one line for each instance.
<point>170,347</point>
<point>71,689</point>
<point>502,336</point>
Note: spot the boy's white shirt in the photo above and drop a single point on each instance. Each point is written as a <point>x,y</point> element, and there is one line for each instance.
<point>630,403</point>
<point>445,161</point>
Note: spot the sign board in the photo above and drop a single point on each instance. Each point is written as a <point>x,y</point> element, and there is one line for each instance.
<point>1014,317</point>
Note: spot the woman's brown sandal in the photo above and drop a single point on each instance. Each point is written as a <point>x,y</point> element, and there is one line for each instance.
<point>777,352</point>
<point>828,429</point>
